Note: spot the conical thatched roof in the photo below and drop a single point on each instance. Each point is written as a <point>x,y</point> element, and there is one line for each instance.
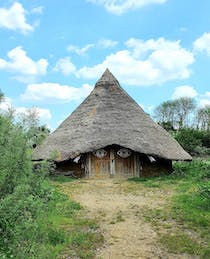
<point>109,116</point>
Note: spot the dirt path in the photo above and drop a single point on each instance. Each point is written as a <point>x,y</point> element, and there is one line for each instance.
<point>117,206</point>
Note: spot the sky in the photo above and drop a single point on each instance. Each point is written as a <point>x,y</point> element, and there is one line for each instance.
<point>52,52</point>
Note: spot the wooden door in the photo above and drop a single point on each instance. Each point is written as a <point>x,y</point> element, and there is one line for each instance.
<point>124,167</point>
<point>100,166</point>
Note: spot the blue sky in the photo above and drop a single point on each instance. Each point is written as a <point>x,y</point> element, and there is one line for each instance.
<point>52,52</point>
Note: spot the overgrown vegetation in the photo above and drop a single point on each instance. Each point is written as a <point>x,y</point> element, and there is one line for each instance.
<point>187,219</point>
<point>36,221</point>
<point>187,123</point>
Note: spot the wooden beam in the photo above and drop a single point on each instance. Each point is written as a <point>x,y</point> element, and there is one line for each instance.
<point>112,163</point>
<point>136,165</point>
<point>89,164</point>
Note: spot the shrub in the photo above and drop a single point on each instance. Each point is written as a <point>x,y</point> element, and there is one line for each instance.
<point>197,170</point>
<point>15,156</point>
<point>196,142</point>
<point>24,196</point>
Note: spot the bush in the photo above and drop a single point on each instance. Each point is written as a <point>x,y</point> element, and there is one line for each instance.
<point>196,142</point>
<point>25,197</point>
<point>15,164</point>
<point>197,170</point>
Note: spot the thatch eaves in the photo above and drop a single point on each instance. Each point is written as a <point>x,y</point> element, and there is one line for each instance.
<point>109,116</point>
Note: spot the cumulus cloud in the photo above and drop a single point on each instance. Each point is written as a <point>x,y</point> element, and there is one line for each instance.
<point>207,94</point>
<point>43,114</point>
<point>80,51</point>
<point>14,18</point>
<point>119,7</point>
<point>102,43</point>
<point>6,106</point>
<point>107,43</point>
<point>54,92</point>
<point>160,61</point>
<point>22,65</point>
<point>65,66</point>
<point>203,43</point>
<point>184,91</point>
<point>204,103</point>
<point>205,100</point>
<point>37,10</point>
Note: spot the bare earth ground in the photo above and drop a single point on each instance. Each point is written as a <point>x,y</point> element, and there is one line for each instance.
<point>117,206</point>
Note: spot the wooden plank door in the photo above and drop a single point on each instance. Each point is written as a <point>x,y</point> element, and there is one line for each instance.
<point>100,167</point>
<point>124,167</point>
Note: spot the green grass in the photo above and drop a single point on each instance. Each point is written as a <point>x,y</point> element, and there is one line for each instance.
<point>73,234</point>
<point>62,179</point>
<point>157,181</point>
<point>70,233</point>
<point>180,242</point>
<point>188,211</point>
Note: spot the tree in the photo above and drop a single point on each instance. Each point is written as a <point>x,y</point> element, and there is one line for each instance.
<point>203,118</point>
<point>165,114</point>
<point>1,96</point>
<point>174,114</point>
<point>29,121</point>
<point>183,107</point>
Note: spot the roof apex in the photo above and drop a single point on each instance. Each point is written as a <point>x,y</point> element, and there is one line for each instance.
<point>107,78</point>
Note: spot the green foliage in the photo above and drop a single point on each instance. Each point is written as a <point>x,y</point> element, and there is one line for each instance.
<point>196,170</point>
<point>15,156</point>
<point>174,114</point>
<point>196,193</point>
<point>24,195</point>
<point>35,220</point>
<point>203,118</point>
<point>204,192</point>
<point>195,142</point>
<point>29,122</point>
<point>1,96</point>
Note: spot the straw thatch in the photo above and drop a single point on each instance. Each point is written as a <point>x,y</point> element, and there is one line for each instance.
<point>109,116</point>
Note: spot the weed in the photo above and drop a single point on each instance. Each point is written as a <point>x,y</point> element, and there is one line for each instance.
<point>179,242</point>
<point>118,218</point>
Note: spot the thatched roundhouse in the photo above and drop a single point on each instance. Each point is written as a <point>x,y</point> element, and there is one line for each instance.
<point>109,135</point>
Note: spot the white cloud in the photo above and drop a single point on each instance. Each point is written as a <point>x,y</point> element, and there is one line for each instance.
<point>106,43</point>
<point>119,7</point>
<point>6,106</point>
<point>14,18</point>
<point>141,48</point>
<point>80,51</point>
<point>65,66</point>
<point>43,114</point>
<point>37,10</point>
<point>54,92</point>
<point>204,103</point>
<point>161,61</point>
<point>205,100</point>
<point>203,43</point>
<point>184,91</point>
<point>22,65</point>
<point>207,94</point>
